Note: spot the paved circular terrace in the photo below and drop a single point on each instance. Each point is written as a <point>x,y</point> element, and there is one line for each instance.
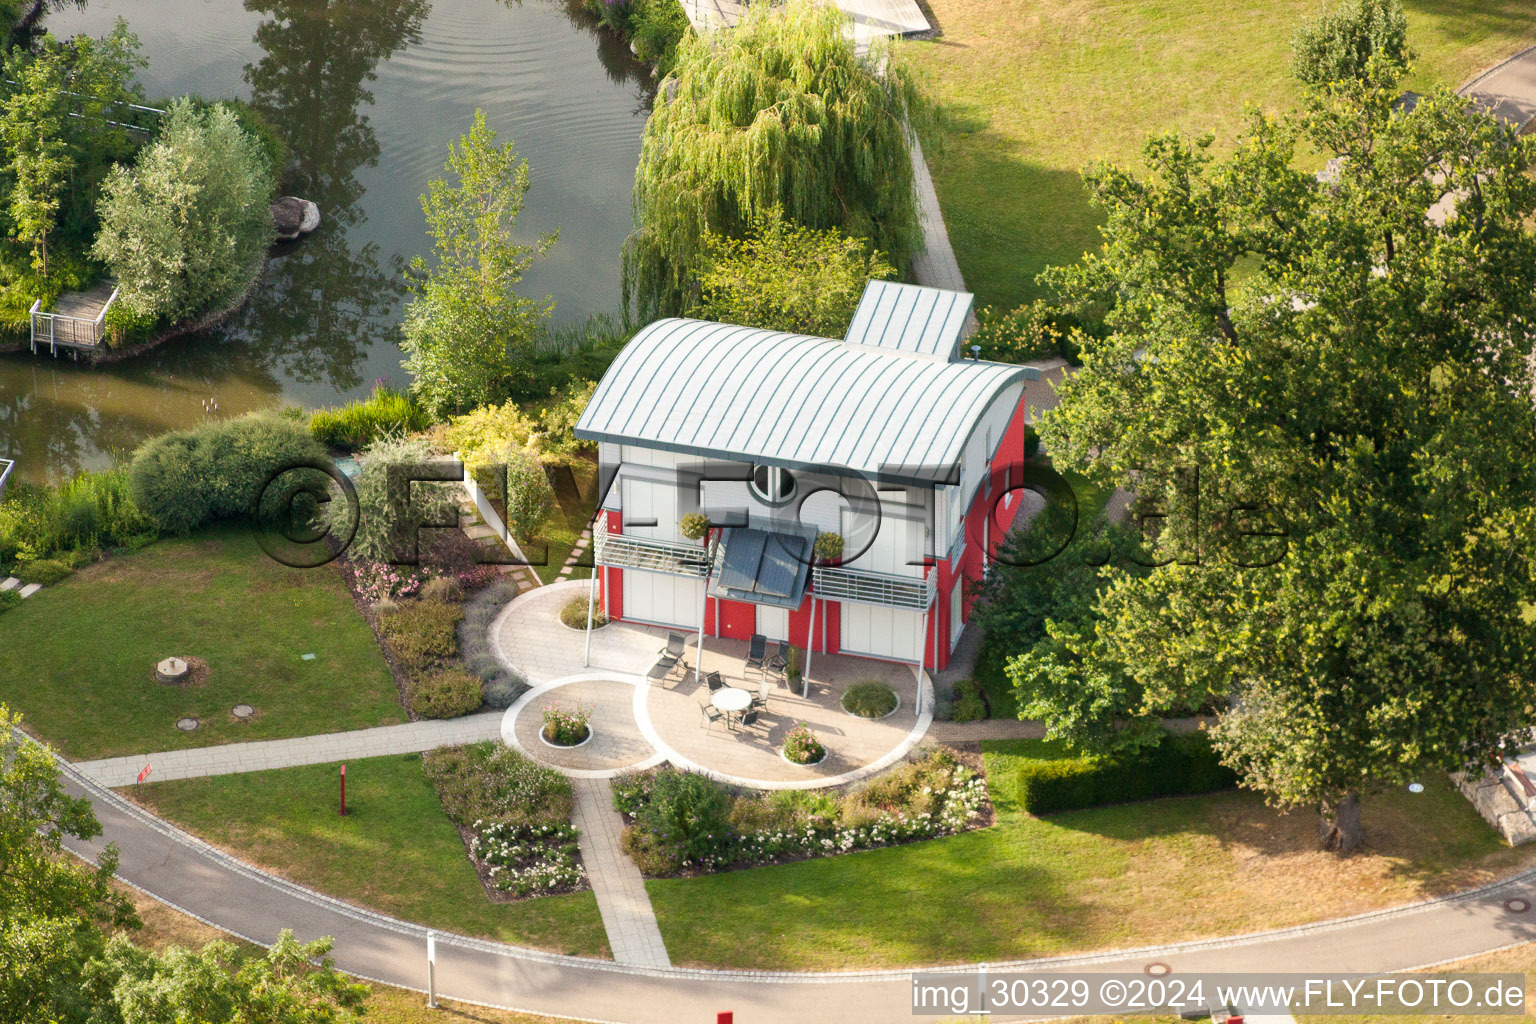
<point>643,719</point>
<point>617,742</point>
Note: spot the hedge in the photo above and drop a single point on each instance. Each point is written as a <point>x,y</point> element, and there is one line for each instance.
<point>1179,766</point>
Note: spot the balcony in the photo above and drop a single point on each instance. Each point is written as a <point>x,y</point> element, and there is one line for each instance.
<point>624,551</point>
<point>862,586</point>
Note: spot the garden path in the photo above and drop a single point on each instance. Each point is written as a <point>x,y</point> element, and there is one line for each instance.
<point>1508,88</point>
<point>633,934</point>
<point>232,758</point>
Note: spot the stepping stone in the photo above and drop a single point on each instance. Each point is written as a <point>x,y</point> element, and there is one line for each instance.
<point>11,583</point>
<point>478,532</point>
<point>186,724</point>
<point>243,711</point>
<point>30,589</point>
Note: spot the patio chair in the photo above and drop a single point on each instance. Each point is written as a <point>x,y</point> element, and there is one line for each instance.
<point>750,717</point>
<point>757,651</point>
<point>711,714</point>
<point>672,654</point>
<point>714,681</point>
<point>778,660</point>
<point>761,700</point>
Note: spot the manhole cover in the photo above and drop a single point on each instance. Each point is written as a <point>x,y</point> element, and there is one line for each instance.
<point>1157,968</point>
<point>243,711</point>
<point>1517,905</point>
<point>186,724</point>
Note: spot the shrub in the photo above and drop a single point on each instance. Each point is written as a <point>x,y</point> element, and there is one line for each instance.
<point>442,590</point>
<point>801,745</point>
<point>447,693</point>
<point>1179,765</point>
<point>687,815</point>
<point>187,478</point>
<point>1030,332</point>
<point>9,599</point>
<point>85,512</point>
<point>784,277</point>
<point>1339,43</point>
<point>567,727</point>
<point>557,423</point>
<point>455,557</point>
<point>422,633</point>
<point>486,781</point>
<point>530,498</point>
<point>482,437</point>
<point>358,424</point>
<point>183,230</point>
<point>969,705</point>
<point>501,686</point>
<point>574,614</point>
<point>869,698</point>
<point>43,570</point>
<point>382,527</point>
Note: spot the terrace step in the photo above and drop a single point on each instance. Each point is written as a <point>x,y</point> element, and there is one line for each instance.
<point>11,583</point>
<point>30,589</point>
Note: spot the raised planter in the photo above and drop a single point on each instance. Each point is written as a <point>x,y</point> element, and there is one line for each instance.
<point>865,718</point>
<point>565,746</point>
<point>807,764</point>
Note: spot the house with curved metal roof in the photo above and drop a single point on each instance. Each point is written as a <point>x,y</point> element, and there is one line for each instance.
<point>888,440</point>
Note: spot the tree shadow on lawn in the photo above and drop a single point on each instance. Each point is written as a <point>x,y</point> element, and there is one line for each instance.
<point>1416,846</point>
<point>1008,217</point>
<point>1474,19</point>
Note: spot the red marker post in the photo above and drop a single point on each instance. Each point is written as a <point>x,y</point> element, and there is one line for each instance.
<point>725,1017</point>
<point>343,791</point>
<point>144,774</point>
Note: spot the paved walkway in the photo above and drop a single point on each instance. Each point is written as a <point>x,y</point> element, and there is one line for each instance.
<point>1508,88</point>
<point>232,758</point>
<point>193,877</point>
<point>621,898</point>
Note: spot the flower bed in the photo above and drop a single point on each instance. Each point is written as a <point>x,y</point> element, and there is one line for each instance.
<point>683,823</point>
<point>514,815</point>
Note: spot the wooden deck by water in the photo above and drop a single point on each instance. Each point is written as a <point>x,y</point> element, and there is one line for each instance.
<point>76,322</point>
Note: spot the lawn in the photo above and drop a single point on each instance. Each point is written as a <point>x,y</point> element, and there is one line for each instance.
<point>1036,89</point>
<point>395,852</point>
<point>1102,878</point>
<point>84,651</point>
<point>572,515</point>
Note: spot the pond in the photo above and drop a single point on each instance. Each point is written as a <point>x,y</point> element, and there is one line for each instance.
<point>368,95</point>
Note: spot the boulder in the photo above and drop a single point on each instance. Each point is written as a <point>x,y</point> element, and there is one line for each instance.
<point>292,217</point>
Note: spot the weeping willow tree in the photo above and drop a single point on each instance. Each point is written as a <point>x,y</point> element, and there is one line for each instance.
<point>777,112</point>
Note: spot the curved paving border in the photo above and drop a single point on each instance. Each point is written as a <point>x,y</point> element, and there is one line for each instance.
<point>509,723</point>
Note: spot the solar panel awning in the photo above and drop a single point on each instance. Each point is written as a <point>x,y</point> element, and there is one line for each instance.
<point>762,567</point>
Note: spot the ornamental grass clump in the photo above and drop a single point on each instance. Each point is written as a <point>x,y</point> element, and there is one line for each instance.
<point>574,614</point>
<point>566,727</point>
<point>870,698</point>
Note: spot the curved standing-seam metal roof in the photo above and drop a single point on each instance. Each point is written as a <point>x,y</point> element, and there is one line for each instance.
<point>720,391</point>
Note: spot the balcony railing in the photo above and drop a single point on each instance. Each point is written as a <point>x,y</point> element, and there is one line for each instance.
<point>624,551</point>
<point>861,586</point>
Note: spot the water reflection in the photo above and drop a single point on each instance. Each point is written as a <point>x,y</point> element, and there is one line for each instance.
<point>367,95</point>
<point>325,301</point>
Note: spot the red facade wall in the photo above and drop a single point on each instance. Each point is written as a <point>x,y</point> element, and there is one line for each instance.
<point>986,521</point>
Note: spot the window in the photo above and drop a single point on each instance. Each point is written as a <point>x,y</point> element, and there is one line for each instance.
<point>772,484</point>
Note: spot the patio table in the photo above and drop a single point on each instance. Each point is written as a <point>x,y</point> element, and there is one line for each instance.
<point>731,700</point>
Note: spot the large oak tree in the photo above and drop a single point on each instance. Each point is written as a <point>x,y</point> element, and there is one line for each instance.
<point>1344,358</point>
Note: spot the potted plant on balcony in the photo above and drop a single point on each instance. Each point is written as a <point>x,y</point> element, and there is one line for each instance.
<point>828,548</point>
<point>694,526</point>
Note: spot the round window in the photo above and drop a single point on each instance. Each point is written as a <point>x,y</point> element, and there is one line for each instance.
<point>772,484</point>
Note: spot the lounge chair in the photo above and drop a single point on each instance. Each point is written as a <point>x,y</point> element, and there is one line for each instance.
<point>714,681</point>
<point>671,654</point>
<point>757,651</point>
